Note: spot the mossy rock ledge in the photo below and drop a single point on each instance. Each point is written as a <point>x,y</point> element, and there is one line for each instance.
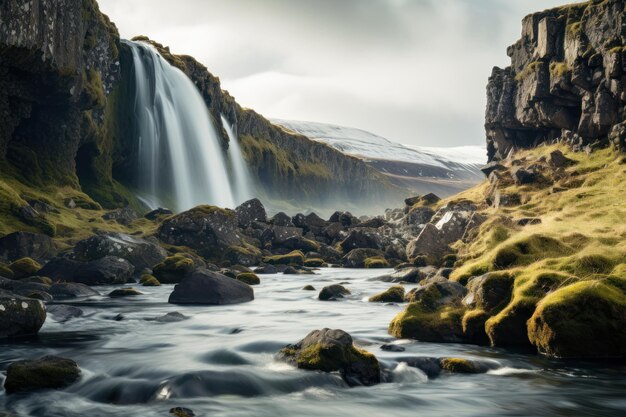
<point>394,294</point>
<point>329,350</point>
<point>49,372</point>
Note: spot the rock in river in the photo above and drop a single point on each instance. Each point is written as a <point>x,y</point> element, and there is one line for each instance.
<point>105,271</point>
<point>210,288</point>
<point>333,351</point>
<point>20,316</point>
<point>49,372</point>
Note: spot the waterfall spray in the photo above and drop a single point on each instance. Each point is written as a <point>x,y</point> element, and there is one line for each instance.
<point>240,177</point>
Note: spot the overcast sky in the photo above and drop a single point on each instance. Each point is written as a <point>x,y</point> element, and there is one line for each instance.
<point>413,71</point>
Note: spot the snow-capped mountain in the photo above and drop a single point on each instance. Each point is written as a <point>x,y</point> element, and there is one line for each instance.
<point>421,169</point>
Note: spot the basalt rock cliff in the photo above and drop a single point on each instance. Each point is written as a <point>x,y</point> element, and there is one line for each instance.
<point>566,80</point>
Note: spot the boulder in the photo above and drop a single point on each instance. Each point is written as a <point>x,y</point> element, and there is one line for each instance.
<point>124,292</point>
<point>419,215</point>
<point>344,218</point>
<point>329,350</point>
<point>20,316</point>
<point>411,274</point>
<point>49,372</point>
<point>148,280</point>
<point>281,219</point>
<point>310,223</point>
<point>123,216</point>
<point>209,230</point>
<point>278,235</point>
<point>141,253</point>
<point>437,293</point>
<point>394,294</point>
<point>356,257</point>
<point>376,262</point>
<point>558,160</point>
<point>69,290</point>
<point>293,258</point>
<point>171,317</point>
<point>582,320</point>
<point>249,278</point>
<point>333,292</point>
<point>210,288</point>
<point>156,213</point>
<point>24,267</point>
<point>523,176</point>
<point>489,291</point>
<point>25,244</point>
<point>105,271</point>
<point>429,243</point>
<point>361,238</point>
<point>249,212</point>
<point>491,167</point>
<point>174,268</point>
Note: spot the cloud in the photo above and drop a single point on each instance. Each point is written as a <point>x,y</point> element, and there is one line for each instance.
<point>411,70</point>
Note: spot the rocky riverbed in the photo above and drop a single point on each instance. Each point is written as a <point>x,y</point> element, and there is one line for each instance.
<point>138,358</point>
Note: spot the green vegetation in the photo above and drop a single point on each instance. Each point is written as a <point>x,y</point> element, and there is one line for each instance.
<point>529,70</point>
<point>249,278</point>
<point>419,322</point>
<point>376,262</point>
<point>394,294</point>
<point>295,257</point>
<point>459,366</point>
<point>559,69</point>
<point>148,280</point>
<point>24,267</point>
<point>174,268</point>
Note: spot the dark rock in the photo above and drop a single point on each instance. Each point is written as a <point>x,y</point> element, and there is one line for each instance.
<point>172,317</point>
<point>278,235</point>
<point>123,216</point>
<point>281,219</point>
<point>25,244</point>
<point>49,372</point>
<point>558,160</point>
<point>356,257</point>
<point>209,230</point>
<point>182,412</point>
<point>344,218</point>
<point>156,213</point>
<point>331,351</point>
<point>210,288</point>
<point>491,167</point>
<point>20,316</point>
<point>308,288</point>
<point>523,176</point>
<point>176,267</point>
<point>373,223</point>
<point>69,290</point>
<point>141,253</point>
<point>333,292</point>
<point>392,348</point>
<point>419,215</point>
<point>361,238</point>
<point>528,221</point>
<point>249,212</point>
<point>105,271</point>
<point>430,242</point>
<point>267,269</point>
<point>489,291</point>
<point>124,292</point>
<point>437,294</point>
<point>249,278</point>
<point>63,313</point>
<point>392,295</point>
<point>24,267</point>
<point>412,275</point>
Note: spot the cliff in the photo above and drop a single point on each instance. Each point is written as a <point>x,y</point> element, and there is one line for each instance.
<point>566,80</point>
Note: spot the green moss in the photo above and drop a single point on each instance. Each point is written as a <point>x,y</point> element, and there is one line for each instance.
<point>585,319</point>
<point>376,262</point>
<point>6,272</point>
<point>148,280</point>
<point>248,278</point>
<point>93,88</point>
<point>295,257</point>
<point>530,69</point>
<point>174,268</point>
<point>473,325</point>
<point>331,358</point>
<point>422,323</point>
<point>559,69</point>
<point>394,294</point>
<point>458,366</point>
<point>315,263</point>
<point>24,267</point>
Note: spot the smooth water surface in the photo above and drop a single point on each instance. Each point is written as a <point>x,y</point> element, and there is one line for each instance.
<point>220,362</point>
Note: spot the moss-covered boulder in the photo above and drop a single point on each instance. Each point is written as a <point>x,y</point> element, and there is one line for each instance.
<point>249,278</point>
<point>24,267</point>
<point>489,291</point>
<point>49,372</point>
<point>20,316</point>
<point>245,254</point>
<point>462,366</point>
<point>6,272</point>
<point>429,325</point>
<point>473,325</point>
<point>333,292</point>
<point>315,263</point>
<point>329,350</point>
<point>394,294</point>
<point>124,292</point>
<point>582,320</point>
<point>308,288</point>
<point>141,253</point>
<point>148,280</point>
<point>174,268</point>
<point>295,257</point>
<point>356,257</point>
<point>376,262</point>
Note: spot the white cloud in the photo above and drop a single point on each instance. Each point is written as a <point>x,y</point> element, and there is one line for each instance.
<point>411,70</point>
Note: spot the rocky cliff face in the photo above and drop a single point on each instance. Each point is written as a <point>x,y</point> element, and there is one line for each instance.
<point>566,80</point>
<point>66,115</point>
<point>58,69</point>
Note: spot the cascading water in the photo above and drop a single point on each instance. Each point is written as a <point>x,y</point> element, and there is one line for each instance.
<point>240,173</point>
<point>181,163</point>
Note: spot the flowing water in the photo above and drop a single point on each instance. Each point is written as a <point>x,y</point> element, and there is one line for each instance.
<point>181,163</point>
<point>220,362</point>
<point>240,174</point>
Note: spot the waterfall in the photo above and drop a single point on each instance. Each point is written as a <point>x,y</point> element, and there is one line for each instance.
<point>181,163</point>
<point>240,173</point>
